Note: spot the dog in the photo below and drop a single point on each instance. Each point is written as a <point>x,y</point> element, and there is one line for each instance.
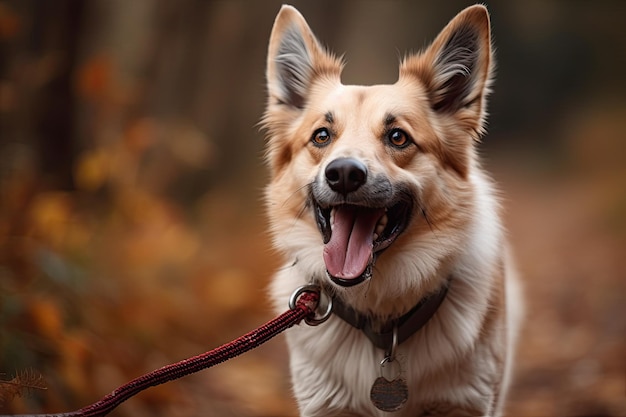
<point>377,198</point>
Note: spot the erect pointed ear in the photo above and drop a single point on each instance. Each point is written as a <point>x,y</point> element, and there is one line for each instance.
<point>295,59</point>
<point>456,68</point>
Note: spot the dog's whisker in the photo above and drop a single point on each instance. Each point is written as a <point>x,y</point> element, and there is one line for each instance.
<point>292,195</point>
<point>289,266</point>
<point>304,206</point>
<point>299,215</point>
<point>430,224</point>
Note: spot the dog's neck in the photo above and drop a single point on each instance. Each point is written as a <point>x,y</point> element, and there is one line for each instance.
<point>380,333</point>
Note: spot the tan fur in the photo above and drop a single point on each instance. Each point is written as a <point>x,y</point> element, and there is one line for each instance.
<point>458,363</point>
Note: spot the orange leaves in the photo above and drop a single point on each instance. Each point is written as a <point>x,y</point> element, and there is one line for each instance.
<point>46,316</point>
<point>189,145</point>
<point>91,169</point>
<point>50,215</point>
<point>56,223</point>
<point>10,22</point>
<point>153,234</point>
<point>94,77</point>
<point>147,153</point>
<point>140,135</point>
<point>229,291</point>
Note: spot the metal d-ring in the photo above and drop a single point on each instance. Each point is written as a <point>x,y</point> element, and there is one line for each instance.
<point>312,321</point>
<point>390,355</point>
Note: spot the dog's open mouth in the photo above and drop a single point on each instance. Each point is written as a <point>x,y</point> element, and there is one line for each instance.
<point>355,235</point>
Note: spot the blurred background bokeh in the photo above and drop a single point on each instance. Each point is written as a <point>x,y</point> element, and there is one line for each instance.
<point>131,175</point>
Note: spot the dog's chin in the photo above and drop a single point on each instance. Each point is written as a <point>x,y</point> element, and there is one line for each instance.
<point>351,282</point>
<point>391,222</point>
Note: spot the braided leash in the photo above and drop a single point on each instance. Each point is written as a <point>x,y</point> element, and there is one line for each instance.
<point>303,305</point>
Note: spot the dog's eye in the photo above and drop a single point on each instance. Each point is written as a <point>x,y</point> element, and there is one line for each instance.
<point>398,138</point>
<point>321,137</point>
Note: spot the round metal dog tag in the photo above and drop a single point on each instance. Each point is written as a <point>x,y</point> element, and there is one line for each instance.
<point>389,395</point>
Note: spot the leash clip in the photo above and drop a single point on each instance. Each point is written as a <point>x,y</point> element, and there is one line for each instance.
<point>315,320</point>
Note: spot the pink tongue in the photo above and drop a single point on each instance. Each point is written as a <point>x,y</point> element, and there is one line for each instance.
<point>349,250</point>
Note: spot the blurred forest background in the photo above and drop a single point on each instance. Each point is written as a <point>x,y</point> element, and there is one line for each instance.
<point>131,227</point>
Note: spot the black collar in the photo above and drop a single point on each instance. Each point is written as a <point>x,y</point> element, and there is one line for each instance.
<point>407,325</point>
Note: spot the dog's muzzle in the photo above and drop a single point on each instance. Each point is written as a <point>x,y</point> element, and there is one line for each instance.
<point>359,215</point>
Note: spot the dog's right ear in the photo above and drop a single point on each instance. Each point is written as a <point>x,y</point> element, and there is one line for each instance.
<point>295,60</point>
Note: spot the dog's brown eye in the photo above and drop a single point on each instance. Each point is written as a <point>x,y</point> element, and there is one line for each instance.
<point>398,138</point>
<point>321,137</point>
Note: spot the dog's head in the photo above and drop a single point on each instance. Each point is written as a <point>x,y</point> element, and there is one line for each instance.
<point>358,170</point>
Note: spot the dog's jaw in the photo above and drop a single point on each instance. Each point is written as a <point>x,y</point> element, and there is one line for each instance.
<point>355,235</point>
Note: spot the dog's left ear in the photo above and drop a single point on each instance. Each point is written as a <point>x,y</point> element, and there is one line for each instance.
<point>456,68</point>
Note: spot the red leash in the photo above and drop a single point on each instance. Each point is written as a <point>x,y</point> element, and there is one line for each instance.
<point>307,299</point>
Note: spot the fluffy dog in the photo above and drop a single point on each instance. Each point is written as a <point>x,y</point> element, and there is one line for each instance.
<point>378,197</point>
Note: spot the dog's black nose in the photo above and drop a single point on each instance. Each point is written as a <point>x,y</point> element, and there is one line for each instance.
<point>345,175</point>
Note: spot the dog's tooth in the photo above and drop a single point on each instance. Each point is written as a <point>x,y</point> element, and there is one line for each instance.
<point>383,221</point>
<point>380,226</point>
